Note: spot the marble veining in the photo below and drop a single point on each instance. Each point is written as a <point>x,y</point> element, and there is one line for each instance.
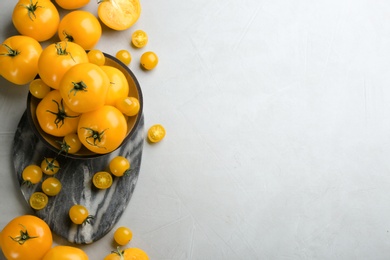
<point>107,206</point>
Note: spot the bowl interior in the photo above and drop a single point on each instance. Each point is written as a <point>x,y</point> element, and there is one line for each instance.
<point>132,122</point>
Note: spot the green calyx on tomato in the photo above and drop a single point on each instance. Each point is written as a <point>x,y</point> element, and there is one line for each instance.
<point>78,86</point>
<point>31,8</point>
<point>11,52</point>
<point>62,50</point>
<point>24,236</point>
<point>51,166</point>
<point>95,135</point>
<point>61,114</point>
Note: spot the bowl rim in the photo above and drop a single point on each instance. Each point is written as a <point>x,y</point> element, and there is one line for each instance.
<point>93,155</point>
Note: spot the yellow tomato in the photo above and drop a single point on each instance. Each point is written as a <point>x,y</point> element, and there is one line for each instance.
<point>38,200</point>
<point>128,105</point>
<point>26,237</point>
<point>57,58</point>
<point>128,254</point>
<point>102,180</point>
<point>38,88</point>
<point>139,38</point>
<point>71,5</point>
<point>81,27</point>
<point>97,57</point>
<point>65,253</point>
<point>102,130</point>
<point>84,87</point>
<point>149,60</point>
<point>119,14</point>
<point>19,57</point>
<point>124,56</point>
<point>156,133</point>
<point>37,19</point>
<point>119,87</point>
<point>55,117</point>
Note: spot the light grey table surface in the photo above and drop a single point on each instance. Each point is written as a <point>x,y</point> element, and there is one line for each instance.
<point>278,130</point>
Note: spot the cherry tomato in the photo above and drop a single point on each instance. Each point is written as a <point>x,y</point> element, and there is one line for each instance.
<point>35,18</point>
<point>102,130</point>
<point>79,214</point>
<point>57,58</point>
<point>119,166</point>
<point>50,166</point>
<point>55,117</point>
<point>32,174</point>
<point>51,186</point>
<point>102,180</point>
<point>81,27</point>
<point>26,237</point>
<point>123,235</point>
<point>38,200</point>
<point>38,88</point>
<point>129,106</point>
<point>139,38</point>
<point>65,253</point>
<point>156,133</point>
<point>128,253</point>
<point>72,143</point>
<point>149,60</point>
<point>97,57</point>
<point>84,87</point>
<point>71,5</point>
<point>124,56</point>
<point>19,57</point>
<point>118,88</point>
<point>119,14</point>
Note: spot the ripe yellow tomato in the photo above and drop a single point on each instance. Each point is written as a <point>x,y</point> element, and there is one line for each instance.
<point>81,27</point>
<point>119,166</point>
<point>156,133</point>
<point>129,106</point>
<point>127,254</point>
<point>37,19</point>
<point>124,56</point>
<point>57,58</point>
<point>32,174</point>
<point>38,200</point>
<point>79,214</point>
<point>71,5</point>
<point>19,57</point>
<point>123,235</point>
<point>38,88</point>
<point>139,38</point>
<point>65,253</point>
<point>119,14</point>
<point>102,130</point>
<point>72,143</point>
<point>149,60</point>
<point>50,166</point>
<point>51,186</point>
<point>26,237</point>
<point>97,57</point>
<point>84,87</point>
<point>102,180</point>
<point>55,117</point>
<point>118,88</point>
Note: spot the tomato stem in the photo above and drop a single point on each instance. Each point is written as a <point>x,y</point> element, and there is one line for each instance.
<point>88,220</point>
<point>24,236</point>
<point>10,52</point>
<point>61,114</point>
<point>119,252</point>
<point>31,8</point>
<point>51,165</point>
<point>68,37</point>
<point>62,50</point>
<point>78,86</point>
<point>95,135</point>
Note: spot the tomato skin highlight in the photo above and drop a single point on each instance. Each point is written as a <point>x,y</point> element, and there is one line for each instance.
<point>35,247</point>
<point>19,57</point>
<point>71,5</point>
<point>35,18</point>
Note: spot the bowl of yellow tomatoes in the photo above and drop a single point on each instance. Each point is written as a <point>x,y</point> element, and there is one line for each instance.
<point>86,110</point>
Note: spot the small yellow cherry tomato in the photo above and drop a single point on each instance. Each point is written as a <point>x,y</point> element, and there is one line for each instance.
<point>38,88</point>
<point>32,174</point>
<point>124,56</point>
<point>139,38</point>
<point>102,180</point>
<point>156,133</point>
<point>149,60</point>
<point>79,214</point>
<point>65,253</point>
<point>50,166</point>
<point>38,200</point>
<point>122,236</point>
<point>119,166</point>
<point>97,57</point>
<point>51,186</point>
<point>129,106</point>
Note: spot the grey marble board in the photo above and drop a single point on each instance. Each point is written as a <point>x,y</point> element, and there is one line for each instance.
<point>75,175</point>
